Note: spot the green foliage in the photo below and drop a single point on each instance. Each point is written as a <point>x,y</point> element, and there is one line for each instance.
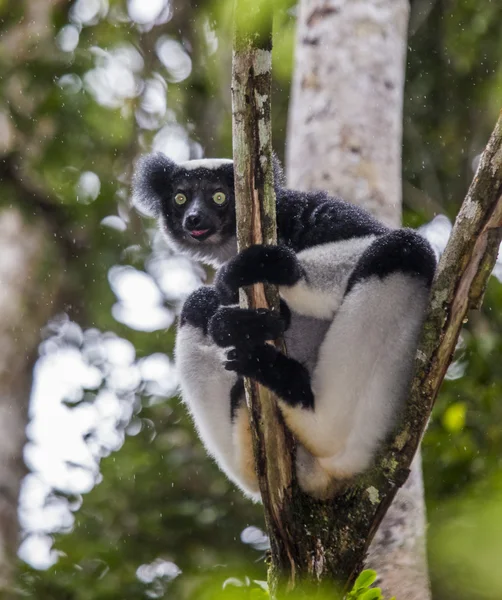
<point>466,543</point>
<point>364,580</point>
<point>362,589</point>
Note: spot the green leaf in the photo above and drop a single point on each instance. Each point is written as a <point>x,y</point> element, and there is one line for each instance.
<point>454,417</point>
<point>365,579</point>
<point>373,594</point>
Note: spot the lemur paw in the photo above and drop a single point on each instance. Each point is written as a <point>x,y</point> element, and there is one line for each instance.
<point>245,327</point>
<point>285,376</point>
<point>271,264</point>
<point>251,362</point>
<point>199,307</point>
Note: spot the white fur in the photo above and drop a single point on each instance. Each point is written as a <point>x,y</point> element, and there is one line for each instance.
<point>359,349</point>
<point>327,269</point>
<point>205,389</point>
<point>205,163</point>
<point>361,378</point>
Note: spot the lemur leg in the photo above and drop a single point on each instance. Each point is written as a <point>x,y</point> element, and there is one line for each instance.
<point>213,395</point>
<point>365,361</point>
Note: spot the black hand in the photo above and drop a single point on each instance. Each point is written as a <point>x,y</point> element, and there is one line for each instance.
<point>245,327</point>
<point>271,264</point>
<point>285,376</point>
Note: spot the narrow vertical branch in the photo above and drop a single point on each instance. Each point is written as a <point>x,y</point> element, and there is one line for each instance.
<point>256,224</point>
<point>312,542</point>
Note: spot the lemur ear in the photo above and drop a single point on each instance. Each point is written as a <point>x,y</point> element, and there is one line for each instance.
<point>279,178</point>
<point>151,181</point>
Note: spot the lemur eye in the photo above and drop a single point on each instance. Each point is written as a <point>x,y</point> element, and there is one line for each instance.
<point>219,197</point>
<point>180,199</point>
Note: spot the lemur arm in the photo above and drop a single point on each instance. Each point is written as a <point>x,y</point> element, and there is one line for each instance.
<point>312,282</point>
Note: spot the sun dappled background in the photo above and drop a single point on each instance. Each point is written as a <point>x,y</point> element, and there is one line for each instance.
<point>120,500</point>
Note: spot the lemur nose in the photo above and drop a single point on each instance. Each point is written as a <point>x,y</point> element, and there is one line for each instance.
<point>193,221</point>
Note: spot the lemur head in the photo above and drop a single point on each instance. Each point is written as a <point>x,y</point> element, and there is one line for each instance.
<point>194,202</point>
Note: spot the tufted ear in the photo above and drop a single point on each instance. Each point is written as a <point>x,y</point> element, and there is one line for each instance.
<point>151,181</point>
<point>279,178</point>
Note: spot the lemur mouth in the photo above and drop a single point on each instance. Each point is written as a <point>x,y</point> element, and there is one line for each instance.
<point>200,234</point>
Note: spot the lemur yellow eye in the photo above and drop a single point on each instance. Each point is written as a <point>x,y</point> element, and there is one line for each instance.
<point>180,199</point>
<point>219,197</point>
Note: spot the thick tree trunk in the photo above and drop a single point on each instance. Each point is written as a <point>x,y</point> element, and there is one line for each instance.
<point>345,128</point>
<point>346,109</point>
<point>28,288</point>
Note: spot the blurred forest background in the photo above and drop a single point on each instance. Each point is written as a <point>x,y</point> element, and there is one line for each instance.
<point>118,499</point>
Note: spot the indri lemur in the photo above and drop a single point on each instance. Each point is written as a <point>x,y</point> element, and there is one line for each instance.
<point>353,297</point>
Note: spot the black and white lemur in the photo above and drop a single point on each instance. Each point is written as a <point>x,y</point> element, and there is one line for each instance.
<point>353,298</point>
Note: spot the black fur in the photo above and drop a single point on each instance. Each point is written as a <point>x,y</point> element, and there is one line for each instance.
<point>199,307</point>
<point>285,376</point>
<point>306,219</point>
<point>277,265</point>
<point>245,327</point>
<point>151,180</point>
<point>237,397</point>
<point>401,250</point>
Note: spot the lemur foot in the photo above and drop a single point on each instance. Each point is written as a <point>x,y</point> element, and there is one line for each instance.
<point>285,376</point>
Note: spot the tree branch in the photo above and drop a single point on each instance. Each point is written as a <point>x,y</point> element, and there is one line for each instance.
<point>256,224</point>
<point>459,284</point>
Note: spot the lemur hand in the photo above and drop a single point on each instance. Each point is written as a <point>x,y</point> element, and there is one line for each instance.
<point>245,328</point>
<point>277,265</point>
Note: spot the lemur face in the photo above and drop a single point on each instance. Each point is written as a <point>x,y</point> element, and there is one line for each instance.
<point>194,202</point>
<point>201,206</point>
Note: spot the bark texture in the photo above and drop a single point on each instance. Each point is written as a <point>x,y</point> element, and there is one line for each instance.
<point>27,296</point>
<point>345,134</point>
<point>256,224</point>
<point>346,110</point>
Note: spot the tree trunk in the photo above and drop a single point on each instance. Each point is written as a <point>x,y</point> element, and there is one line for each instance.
<point>28,288</point>
<point>345,129</point>
<point>256,224</point>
